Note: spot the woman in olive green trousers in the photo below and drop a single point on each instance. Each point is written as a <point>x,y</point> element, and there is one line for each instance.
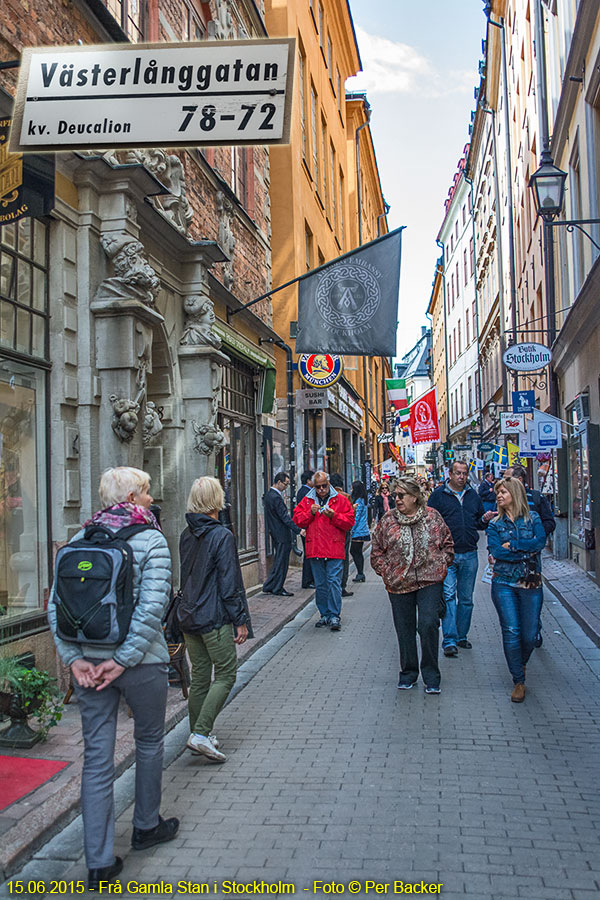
<point>213,613</point>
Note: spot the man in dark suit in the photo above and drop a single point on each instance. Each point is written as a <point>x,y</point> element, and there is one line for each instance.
<point>281,527</point>
<point>307,576</point>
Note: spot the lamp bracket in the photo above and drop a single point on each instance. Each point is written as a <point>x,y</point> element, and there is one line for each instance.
<point>572,224</point>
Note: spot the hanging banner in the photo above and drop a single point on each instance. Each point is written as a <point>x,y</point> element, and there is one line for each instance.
<point>397,393</point>
<point>350,306</point>
<point>513,455</point>
<point>424,424</point>
<point>197,93</point>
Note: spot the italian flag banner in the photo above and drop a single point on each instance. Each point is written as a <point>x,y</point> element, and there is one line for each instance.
<point>396,388</point>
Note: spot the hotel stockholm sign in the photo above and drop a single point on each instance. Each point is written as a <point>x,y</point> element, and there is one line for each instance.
<point>154,95</point>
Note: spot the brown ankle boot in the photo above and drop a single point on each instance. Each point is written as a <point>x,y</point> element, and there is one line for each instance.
<point>518,694</point>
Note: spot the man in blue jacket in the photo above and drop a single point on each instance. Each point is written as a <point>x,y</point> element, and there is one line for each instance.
<point>462,510</point>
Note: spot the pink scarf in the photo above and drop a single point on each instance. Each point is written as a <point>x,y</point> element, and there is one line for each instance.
<point>386,502</point>
<point>121,515</point>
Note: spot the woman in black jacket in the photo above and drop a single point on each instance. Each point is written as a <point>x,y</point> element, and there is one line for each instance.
<point>212,606</point>
<point>384,501</point>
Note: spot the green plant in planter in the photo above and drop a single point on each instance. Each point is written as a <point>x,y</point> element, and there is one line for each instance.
<point>27,692</point>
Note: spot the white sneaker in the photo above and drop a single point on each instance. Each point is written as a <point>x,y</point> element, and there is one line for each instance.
<point>198,743</point>
<point>213,739</point>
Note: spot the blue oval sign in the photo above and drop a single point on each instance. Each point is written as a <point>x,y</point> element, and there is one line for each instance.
<point>320,370</point>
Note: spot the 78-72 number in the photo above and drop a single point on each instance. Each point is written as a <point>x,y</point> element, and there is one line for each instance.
<point>208,116</point>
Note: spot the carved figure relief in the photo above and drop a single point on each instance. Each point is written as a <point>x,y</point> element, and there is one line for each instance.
<point>125,417</point>
<point>134,277</point>
<point>152,424</point>
<point>226,235</point>
<point>225,26</point>
<point>209,437</point>
<point>200,318</point>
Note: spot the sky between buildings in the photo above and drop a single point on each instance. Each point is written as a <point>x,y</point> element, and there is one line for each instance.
<point>420,67</point>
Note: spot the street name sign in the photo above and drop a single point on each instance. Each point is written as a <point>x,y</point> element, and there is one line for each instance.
<point>317,399</point>
<point>202,93</point>
<point>511,422</point>
<point>526,357</point>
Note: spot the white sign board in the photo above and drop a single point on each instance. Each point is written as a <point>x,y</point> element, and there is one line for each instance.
<point>387,438</point>
<point>511,422</point>
<point>547,431</point>
<point>154,95</point>
<point>526,357</point>
<point>317,399</point>
<point>389,467</point>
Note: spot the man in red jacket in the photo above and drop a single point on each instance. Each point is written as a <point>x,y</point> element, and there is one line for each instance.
<point>326,515</point>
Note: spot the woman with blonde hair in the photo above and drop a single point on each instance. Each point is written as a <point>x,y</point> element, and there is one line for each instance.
<point>515,540</point>
<point>213,613</point>
<point>412,549</point>
<point>134,668</point>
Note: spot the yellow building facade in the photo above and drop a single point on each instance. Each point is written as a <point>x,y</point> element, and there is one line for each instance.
<point>314,190</point>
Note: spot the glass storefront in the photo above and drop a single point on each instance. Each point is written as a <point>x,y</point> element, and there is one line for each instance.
<point>23,525</point>
<point>23,458</point>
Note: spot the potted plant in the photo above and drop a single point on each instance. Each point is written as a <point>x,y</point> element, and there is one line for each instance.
<point>27,692</point>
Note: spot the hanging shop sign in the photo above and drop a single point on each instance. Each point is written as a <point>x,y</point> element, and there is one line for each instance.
<point>523,401</point>
<point>320,370</point>
<point>526,357</point>
<point>317,399</point>
<point>512,422</point>
<point>385,438</point>
<point>26,184</point>
<point>203,93</point>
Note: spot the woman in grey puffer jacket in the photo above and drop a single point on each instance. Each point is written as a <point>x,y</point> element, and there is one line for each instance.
<point>137,669</point>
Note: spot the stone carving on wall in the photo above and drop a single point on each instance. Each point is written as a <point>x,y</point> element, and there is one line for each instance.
<point>125,417</point>
<point>200,318</point>
<point>152,424</point>
<point>209,437</point>
<point>224,23</point>
<point>134,277</point>
<point>168,168</point>
<point>226,235</point>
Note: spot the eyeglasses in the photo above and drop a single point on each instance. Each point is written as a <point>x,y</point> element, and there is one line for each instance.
<point>400,496</point>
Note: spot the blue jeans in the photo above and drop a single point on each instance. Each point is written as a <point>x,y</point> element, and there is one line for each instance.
<point>459,585</point>
<point>519,612</point>
<point>327,575</point>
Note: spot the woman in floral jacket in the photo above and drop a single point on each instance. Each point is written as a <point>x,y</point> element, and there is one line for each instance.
<point>412,549</point>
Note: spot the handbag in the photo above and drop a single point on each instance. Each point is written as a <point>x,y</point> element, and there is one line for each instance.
<point>171,628</point>
<point>532,578</point>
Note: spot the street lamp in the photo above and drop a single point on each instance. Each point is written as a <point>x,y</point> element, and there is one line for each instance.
<point>548,187</point>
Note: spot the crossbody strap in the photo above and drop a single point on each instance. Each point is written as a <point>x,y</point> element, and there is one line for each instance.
<point>195,553</point>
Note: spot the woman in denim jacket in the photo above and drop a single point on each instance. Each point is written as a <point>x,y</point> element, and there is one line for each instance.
<point>515,539</point>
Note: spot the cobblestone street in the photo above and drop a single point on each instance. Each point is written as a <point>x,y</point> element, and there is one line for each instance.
<point>334,775</point>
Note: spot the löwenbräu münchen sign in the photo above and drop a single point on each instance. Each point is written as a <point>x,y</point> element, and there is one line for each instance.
<point>154,95</point>
<point>526,357</point>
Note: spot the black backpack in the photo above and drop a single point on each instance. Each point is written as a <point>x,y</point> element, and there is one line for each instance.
<point>93,586</point>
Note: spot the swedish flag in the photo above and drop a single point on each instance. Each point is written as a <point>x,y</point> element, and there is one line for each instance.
<point>501,456</point>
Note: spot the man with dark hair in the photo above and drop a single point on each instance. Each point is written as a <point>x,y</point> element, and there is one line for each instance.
<point>541,506</point>
<point>307,479</point>
<point>462,511</point>
<point>336,481</point>
<point>280,526</point>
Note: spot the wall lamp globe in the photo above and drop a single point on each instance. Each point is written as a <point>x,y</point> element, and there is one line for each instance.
<point>548,186</point>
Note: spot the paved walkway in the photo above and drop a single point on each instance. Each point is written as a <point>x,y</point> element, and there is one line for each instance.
<point>579,594</point>
<point>28,823</point>
<point>334,775</point>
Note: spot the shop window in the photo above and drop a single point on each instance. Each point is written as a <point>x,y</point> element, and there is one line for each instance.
<point>23,479</point>
<point>24,287</point>
<point>194,28</point>
<point>236,465</point>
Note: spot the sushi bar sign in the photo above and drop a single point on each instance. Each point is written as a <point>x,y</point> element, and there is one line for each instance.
<point>154,95</point>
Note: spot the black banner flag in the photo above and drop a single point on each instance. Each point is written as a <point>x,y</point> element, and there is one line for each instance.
<point>351,306</point>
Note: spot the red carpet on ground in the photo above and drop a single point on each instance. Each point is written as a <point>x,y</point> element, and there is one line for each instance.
<point>21,774</point>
